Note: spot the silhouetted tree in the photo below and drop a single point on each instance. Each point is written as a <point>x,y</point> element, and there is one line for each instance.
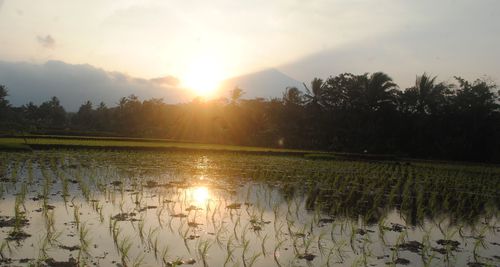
<point>314,95</point>
<point>3,96</point>
<point>379,90</point>
<point>52,114</point>
<point>84,118</point>
<point>378,115</point>
<point>426,97</point>
<point>344,113</point>
<point>4,103</point>
<point>102,118</point>
<point>473,121</point>
<point>235,95</point>
<point>314,117</point>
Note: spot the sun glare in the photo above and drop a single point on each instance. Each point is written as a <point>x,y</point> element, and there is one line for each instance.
<point>203,77</point>
<point>200,194</point>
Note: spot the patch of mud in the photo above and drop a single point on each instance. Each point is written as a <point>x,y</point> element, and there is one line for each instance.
<point>125,217</point>
<point>306,256</point>
<point>50,262</point>
<point>476,264</point>
<point>234,206</point>
<point>70,248</point>
<point>412,246</point>
<point>452,244</point>
<point>395,227</point>
<point>192,207</point>
<point>17,235</point>
<point>11,222</point>
<point>401,261</point>
<point>194,224</point>
<point>192,237</point>
<point>322,222</point>
<point>363,231</point>
<point>180,262</point>
<point>116,183</point>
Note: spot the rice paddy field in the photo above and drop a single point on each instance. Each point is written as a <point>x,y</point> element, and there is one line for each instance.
<point>201,208</point>
<point>51,142</point>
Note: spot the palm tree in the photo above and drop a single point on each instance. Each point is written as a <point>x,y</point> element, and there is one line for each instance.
<point>426,96</point>
<point>378,90</point>
<point>314,96</point>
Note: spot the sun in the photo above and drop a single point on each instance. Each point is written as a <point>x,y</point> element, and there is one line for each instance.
<point>203,77</point>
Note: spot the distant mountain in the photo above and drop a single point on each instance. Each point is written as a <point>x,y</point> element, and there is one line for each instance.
<point>267,83</point>
<point>74,84</point>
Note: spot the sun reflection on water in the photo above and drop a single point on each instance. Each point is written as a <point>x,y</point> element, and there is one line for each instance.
<point>200,195</point>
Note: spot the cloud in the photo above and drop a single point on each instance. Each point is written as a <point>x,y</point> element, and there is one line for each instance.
<point>268,83</point>
<point>46,41</point>
<point>168,37</point>
<point>168,81</point>
<point>405,54</point>
<point>74,84</point>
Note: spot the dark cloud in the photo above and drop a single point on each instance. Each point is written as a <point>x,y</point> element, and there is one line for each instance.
<point>268,83</point>
<point>74,84</point>
<point>46,41</point>
<point>166,81</point>
<point>406,54</point>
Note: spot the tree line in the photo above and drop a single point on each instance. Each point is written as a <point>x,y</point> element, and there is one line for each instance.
<point>365,113</point>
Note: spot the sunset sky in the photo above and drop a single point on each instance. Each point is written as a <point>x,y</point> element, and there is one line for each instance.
<point>207,41</point>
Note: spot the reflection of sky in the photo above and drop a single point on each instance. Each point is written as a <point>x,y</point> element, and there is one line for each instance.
<point>212,193</point>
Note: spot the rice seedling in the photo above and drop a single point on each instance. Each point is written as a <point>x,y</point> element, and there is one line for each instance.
<point>276,252</point>
<point>203,248</point>
<point>333,209</point>
<point>124,246</point>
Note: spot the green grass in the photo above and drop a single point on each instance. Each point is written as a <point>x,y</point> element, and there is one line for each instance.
<point>91,137</point>
<point>350,156</point>
<point>110,143</point>
<point>35,142</point>
<point>13,145</point>
<point>321,156</point>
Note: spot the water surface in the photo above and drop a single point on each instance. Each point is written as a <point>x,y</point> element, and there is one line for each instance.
<point>230,209</point>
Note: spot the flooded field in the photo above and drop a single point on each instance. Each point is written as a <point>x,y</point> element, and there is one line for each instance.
<point>97,208</point>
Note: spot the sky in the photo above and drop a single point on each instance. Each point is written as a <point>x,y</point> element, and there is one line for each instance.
<point>203,42</point>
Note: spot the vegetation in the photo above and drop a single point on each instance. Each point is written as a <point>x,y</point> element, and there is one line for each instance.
<point>183,202</point>
<point>50,142</point>
<point>365,113</point>
<point>96,207</point>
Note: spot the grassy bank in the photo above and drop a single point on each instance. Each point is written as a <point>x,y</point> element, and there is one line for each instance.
<point>13,145</point>
<point>44,142</point>
<point>51,142</point>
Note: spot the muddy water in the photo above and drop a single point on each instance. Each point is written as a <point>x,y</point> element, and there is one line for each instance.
<point>167,209</point>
